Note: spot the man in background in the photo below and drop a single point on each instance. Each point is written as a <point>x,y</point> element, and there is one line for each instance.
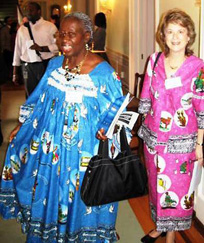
<point>35,45</point>
<point>6,47</point>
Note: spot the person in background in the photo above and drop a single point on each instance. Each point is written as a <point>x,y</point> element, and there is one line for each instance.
<point>56,137</point>
<point>99,38</point>
<point>6,45</point>
<point>55,19</point>
<point>172,101</point>
<point>33,56</point>
<point>13,32</point>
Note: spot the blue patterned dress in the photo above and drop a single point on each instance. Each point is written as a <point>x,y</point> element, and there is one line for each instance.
<point>46,162</point>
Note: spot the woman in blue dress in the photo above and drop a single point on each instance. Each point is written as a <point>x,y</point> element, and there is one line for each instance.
<point>54,141</point>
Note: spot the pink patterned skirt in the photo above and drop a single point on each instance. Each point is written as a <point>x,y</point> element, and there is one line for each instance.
<point>169,180</point>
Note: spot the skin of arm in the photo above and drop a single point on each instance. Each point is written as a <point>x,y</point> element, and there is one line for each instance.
<point>16,75</point>
<point>14,132</point>
<point>40,48</point>
<point>199,147</point>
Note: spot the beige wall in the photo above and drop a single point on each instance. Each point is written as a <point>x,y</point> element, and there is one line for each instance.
<point>118,28</point>
<point>117,24</point>
<point>189,7</point>
<point>79,5</point>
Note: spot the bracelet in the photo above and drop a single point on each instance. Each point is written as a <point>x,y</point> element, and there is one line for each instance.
<point>200,144</point>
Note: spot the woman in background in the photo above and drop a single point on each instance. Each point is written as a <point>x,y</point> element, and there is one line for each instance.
<point>172,101</point>
<point>55,19</point>
<point>99,37</point>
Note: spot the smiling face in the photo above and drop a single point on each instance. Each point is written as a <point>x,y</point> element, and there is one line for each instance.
<point>176,37</point>
<point>73,37</point>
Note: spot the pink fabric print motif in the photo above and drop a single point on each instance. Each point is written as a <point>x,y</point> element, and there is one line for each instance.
<point>165,121</point>
<point>186,101</point>
<point>187,202</point>
<point>169,200</point>
<point>180,118</point>
<point>199,82</point>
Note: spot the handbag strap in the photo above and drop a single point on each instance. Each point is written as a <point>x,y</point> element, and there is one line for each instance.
<point>103,149</point>
<point>155,63</point>
<point>27,24</point>
<point>156,60</point>
<point>124,146</point>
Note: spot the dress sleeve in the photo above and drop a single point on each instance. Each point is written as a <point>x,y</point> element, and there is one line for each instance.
<point>27,108</point>
<point>110,97</point>
<point>109,93</point>
<point>198,98</point>
<point>145,100</point>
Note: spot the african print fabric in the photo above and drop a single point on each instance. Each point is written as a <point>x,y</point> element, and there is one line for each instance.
<point>174,110</point>
<point>46,162</point>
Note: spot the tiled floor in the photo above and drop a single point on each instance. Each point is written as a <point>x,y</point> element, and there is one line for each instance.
<point>127,225</point>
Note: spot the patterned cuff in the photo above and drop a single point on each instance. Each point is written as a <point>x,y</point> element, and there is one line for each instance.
<point>108,116</point>
<point>144,106</point>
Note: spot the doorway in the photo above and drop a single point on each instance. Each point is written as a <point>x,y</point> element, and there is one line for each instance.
<point>141,36</point>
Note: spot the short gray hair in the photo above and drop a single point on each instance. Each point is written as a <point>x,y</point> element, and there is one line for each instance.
<point>86,21</point>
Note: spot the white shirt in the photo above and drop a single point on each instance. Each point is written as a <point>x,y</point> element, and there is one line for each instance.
<point>43,34</point>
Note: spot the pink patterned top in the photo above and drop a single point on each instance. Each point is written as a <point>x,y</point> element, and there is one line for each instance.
<point>174,107</point>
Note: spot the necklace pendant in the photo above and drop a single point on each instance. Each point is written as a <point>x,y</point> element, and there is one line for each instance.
<point>68,79</point>
<point>68,76</point>
<point>173,68</point>
<point>70,73</point>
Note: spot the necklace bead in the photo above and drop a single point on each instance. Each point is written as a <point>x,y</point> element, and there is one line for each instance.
<point>71,72</point>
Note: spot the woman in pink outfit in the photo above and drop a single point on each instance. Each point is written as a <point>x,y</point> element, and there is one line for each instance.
<point>172,101</point>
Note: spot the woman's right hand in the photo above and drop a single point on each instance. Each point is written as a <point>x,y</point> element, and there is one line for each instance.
<point>14,132</point>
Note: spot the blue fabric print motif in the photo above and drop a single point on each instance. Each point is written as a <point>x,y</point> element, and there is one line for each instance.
<point>71,126</point>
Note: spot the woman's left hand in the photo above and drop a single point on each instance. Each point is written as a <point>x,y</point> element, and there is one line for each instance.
<point>199,153</point>
<point>101,134</point>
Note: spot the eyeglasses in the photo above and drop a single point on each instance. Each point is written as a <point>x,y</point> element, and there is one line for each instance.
<point>66,34</point>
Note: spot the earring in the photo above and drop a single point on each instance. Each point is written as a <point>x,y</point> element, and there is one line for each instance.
<point>87,47</point>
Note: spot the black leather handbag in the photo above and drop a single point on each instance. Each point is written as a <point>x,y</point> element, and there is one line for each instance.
<point>109,180</point>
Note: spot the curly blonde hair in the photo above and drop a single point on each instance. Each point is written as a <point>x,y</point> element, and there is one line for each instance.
<point>176,16</point>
